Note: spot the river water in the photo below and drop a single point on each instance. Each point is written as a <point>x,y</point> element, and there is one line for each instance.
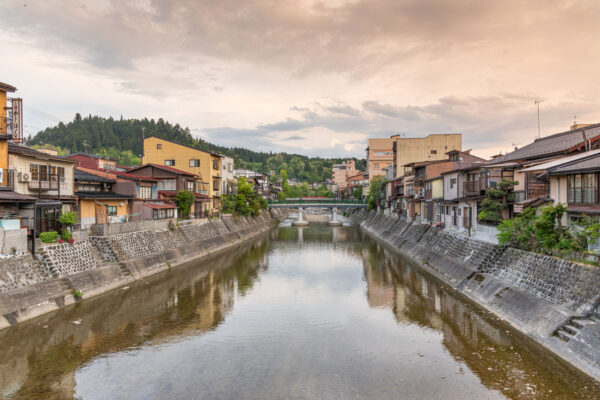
<point>305,313</point>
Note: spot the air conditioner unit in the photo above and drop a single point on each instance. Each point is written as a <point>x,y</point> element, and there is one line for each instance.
<point>421,192</point>
<point>23,176</point>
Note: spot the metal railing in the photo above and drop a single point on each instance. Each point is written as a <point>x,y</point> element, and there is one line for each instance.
<point>317,201</point>
<point>42,185</point>
<point>474,187</point>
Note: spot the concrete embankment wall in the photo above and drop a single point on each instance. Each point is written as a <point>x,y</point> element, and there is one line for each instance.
<point>32,286</point>
<point>538,295</point>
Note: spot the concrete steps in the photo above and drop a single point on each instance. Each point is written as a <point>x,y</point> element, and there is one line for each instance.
<point>569,330</point>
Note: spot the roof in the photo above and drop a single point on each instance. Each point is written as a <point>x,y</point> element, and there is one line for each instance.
<point>102,195</point>
<point>92,156</point>
<point>26,151</point>
<point>5,87</point>
<point>11,196</point>
<point>174,193</point>
<point>156,206</point>
<point>127,175</point>
<point>86,176</point>
<point>588,164</point>
<point>165,168</point>
<point>562,161</point>
<point>558,143</point>
<point>184,145</point>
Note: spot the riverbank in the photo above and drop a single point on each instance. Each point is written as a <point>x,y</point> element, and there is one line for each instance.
<point>63,274</point>
<point>553,301</point>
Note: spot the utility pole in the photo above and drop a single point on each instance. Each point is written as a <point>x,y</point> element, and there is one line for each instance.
<point>143,139</point>
<point>537,103</point>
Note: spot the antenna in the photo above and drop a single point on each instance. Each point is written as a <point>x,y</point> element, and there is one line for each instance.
<point>537,103</point>
<point>574,119</point>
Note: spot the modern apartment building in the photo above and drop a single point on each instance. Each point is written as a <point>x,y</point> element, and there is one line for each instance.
<point>430,148</point>
<point>380,157</point>
<point>340,173</point>
<point>206,165</point>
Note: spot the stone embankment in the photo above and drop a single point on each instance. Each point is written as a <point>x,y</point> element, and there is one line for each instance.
<point>32,286</point>
<point>553,301</point>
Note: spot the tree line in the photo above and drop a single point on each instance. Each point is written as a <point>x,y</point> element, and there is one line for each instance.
<point>122,139</point>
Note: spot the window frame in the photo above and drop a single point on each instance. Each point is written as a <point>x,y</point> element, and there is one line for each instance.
<point>194,161</point>
<point>169,163</point>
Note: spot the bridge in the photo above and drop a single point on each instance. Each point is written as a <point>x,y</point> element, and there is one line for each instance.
<point>317,203</point>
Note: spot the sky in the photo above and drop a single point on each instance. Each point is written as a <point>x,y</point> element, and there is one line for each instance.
<point>316,77</point>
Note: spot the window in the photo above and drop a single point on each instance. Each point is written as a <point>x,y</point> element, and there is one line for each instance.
<point>216,185</point>
<point>167,184</point>
<point>433,151</point>
<point>376,165</point>
<point>194,163</point>
<point>163,213</point>
<point>112,210</point>
<point>582,188</point>
<point>447,210</point>
<point>39,172</point>
<point>170,163</point>
<point>190,186</point>
<point>89,188</point>
<point>159,146</point>
<point>452,182</point>
<point>145,192</point>
<point>378,153</point>
<point>57,171</point>
<point>215,163</point>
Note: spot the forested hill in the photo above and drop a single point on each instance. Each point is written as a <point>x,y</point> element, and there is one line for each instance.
<point>122,139</point>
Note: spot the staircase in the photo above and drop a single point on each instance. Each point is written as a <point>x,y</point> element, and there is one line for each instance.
<point>574,326</point>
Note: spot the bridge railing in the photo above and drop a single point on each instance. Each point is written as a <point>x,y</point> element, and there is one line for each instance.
<point>317,201</point>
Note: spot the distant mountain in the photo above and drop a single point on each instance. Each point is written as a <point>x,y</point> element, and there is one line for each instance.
<point>122,139</point>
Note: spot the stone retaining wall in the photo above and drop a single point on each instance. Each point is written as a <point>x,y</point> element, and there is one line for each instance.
<point>31,286</point>
<point>536,294</point>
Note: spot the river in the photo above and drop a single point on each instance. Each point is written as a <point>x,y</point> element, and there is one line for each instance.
<point>302,313</point>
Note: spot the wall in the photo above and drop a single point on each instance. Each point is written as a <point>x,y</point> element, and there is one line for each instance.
<point>125,227</point>
<point>30,287</point>
<point>13,241</point>
<point>410,150</point>
<point>20,163</point>
<point>538,295</point>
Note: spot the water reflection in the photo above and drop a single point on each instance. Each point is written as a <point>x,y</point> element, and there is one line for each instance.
<point>311,312</point>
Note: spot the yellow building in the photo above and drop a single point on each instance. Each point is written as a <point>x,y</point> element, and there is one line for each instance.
<point>4,90</point>
<point>205,164</point>
<point>380,155</point>
<point>430,148</point>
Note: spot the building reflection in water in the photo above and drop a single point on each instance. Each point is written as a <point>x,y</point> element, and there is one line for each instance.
<point>39,358</point>
<point>503,359</point>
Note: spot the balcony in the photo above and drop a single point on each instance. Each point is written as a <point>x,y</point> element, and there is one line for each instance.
<point>475,188</point>
<point>42,185</point>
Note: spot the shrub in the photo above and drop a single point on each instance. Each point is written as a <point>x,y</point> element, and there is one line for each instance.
<point>49,237</point>
<point>66,235</point>
<point>184,201</point>
<point>68,218</point>
<point>77,294</point>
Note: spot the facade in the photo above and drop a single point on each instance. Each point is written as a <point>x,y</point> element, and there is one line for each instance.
<point>93,161</point>
<point>357,181</point>
<point>341,172</point>
<point>171,181</point>
<point>380,156</point>
<point>47,178</point>
<point>205,166</point>
<point>228,178</point>
<point>97,200</point>
<point>430,148</point>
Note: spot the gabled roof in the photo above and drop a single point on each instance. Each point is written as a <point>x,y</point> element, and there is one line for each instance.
<point>5,87</point>
<point>86,176</point>
<point>164,168</point>
<point>91,156</point>
<point>102,195</point>
<point>564,161</point>
<point>588,164</point>
<point>26,151</point>
<point>560,143</point>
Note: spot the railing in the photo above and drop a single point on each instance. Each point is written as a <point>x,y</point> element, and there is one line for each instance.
<point>317,201</point>
<point>474,187</point>
<point>42,185</point>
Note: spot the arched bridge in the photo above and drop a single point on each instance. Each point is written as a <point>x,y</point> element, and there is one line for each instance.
<point>317,203</point>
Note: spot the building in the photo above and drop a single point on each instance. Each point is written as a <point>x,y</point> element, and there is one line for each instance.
<point>430,148</point>
<point>380,156</point>
<point>172,181</point>
<point>227,178</point>
<point>205,166</point>
<point>341,172</point>
<point>356,181</point>
<point>93,161</point>
<point>47,178</point>
<point>97,200</point>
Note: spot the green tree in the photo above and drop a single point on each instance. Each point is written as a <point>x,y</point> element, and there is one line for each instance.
<point>375,192</point>
<point>245,202</point>
<point>357,193</point>
<point>184,201</point>
<point>496,201</point>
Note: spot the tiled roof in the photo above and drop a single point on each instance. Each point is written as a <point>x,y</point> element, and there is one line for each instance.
<point>589,164</point>
<point>86,176</point>
<point>550,145</point>
<point>102,195</point>
<point>26,151</point>
<point>166,168</point>
<point>156,206</point>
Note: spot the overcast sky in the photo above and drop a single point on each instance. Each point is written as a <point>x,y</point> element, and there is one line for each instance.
<point>312,77</point>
